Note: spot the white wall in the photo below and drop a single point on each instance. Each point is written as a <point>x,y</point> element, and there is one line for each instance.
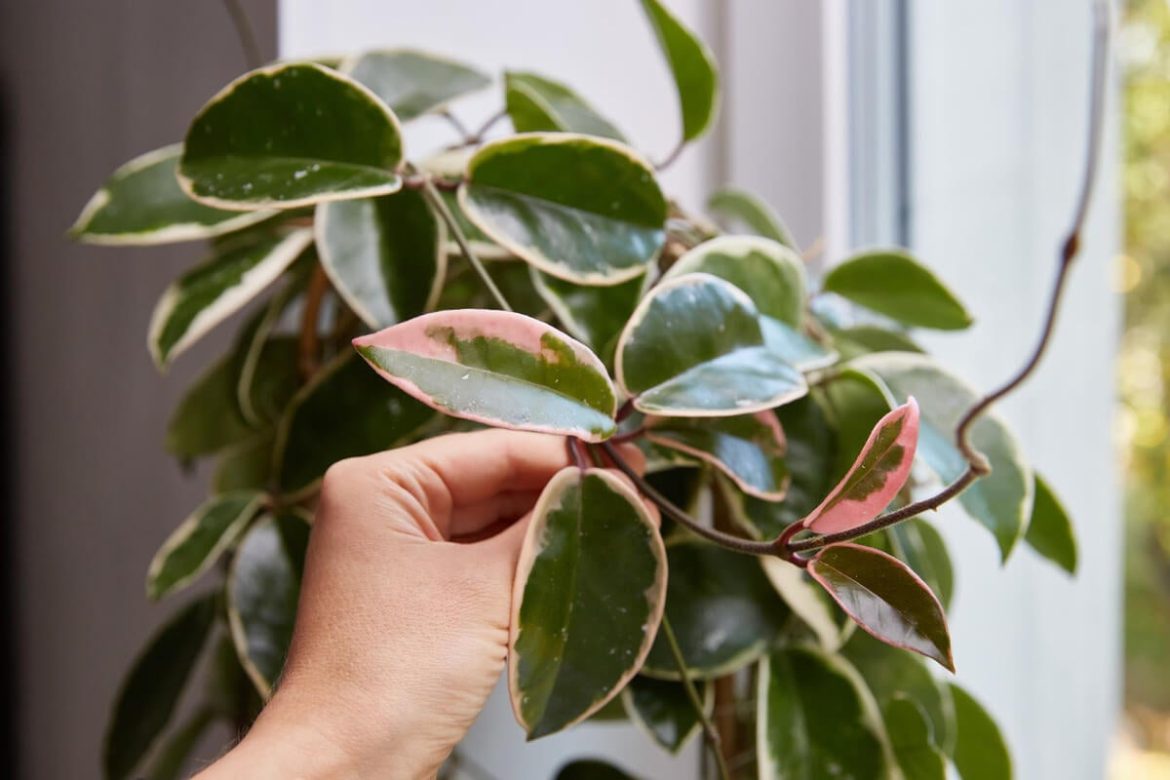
<point>999,93</point>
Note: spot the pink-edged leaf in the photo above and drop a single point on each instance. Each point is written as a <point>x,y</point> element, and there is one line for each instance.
<point>880,471</point>
<point>748,448</point>
<point>498,368</point>
<point>886,598</point>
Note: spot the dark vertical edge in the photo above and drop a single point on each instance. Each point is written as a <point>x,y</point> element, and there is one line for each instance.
<point>903,65</point>
<point>8,466</point>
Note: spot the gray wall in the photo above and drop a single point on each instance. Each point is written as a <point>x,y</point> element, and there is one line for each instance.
<point>85,86</point>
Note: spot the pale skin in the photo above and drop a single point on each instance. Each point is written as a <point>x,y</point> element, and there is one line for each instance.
<point>402,627</point>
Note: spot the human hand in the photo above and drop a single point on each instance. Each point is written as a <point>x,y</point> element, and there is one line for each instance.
<point>402,627</point>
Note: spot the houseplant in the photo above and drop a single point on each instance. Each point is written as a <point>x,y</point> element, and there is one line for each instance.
<point>542,280</point>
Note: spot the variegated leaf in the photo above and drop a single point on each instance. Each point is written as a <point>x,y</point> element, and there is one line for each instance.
<point>497,368</point>
<point>880,471</point>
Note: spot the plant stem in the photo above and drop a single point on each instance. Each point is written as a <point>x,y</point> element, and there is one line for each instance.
<point>670,159</point>
<point>736,543</point>
<point>709,731</point>
<point>977,464</point>
<point>239,17</point>
<point>309,343</point>
<point>436,200</point>
<point>457,125</point>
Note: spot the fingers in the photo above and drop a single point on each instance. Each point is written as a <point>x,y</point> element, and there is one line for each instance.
<point>473,522</point>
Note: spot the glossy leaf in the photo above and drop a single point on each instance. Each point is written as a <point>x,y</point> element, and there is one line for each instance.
<point>692,65</point>
<point>199,540</point>
<point>863,339</point>
<point>735,205</point>
<point>539,104</point>
<point>386,256</point>
<point>345,411</point>
<point>206,295</point>
<point>208,418</point>
<point>891,673</point>
<point>176,749</point>
<point>141,204</point>
<point>497,368</point>
<point>1002,500</point>
<point>694,348</point>
<point>880,471</point>
<point>1050,531</point>
<point>290,135</point>
<point>748,448</point>
<point>807,601</point>
<point>811,453</point>
<point>577,207</point>
<point>268,374</point>
<point>589,593</point>
<point>980,750</point>
<point>413,83</point>
<point>893,283</point>
<point>723,610</point>
<point>152,687</point>
<point>263,585</point>
<point>921,547</point>
<point>815,719</point>
<point>664,709</point>
<point>794,347</point>
<point>769,273</point>
<point>595,315</point>
<point>913,743</point>
<point>885,598</point>
<point>591,769</point>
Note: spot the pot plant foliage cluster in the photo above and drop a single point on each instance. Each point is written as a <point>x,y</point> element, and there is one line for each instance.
<point>542,280</point>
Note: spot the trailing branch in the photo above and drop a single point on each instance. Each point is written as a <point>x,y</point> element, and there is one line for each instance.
<point>977,464</point>
<point>709,732</point>
<point>243,26</point>
<point>309,342</point>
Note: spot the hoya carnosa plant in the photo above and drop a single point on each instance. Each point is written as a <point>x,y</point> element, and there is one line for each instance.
<point>542,280</point>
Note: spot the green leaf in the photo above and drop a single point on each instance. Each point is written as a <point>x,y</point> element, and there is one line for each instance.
<point>913,743</point>
<point>245,466</point>
<point>742,206</point>
<point>386,256</point>
<point>344,412</point>
<point>723,610</point>
<point>856,401</point>
<point>815,719</point>
<point>1001,501</point>
<point>141,204</point>
<point>536,104</point>
<point>664,709</point>
<point>796,348</point>
<point>748,448</point>
<point>591,769</point>
<point>263,585</point>
<point>290,135</point>
<point>199,540</point>
<point>211,292</point>
<point>891,673</point>
<point>885,598</point>
<point>811,453</point>
<point>694,348</point>
<point>595,315</point>
<point>577,207</point>
<point>497,368</point>
<point>769,273</point>
<point>268,374</point>
<point>693,67</point>
<point>893,283</point>
<point>590,586</point>
<point>208,418</point>
<point>413,83</point>
<point>863,339</point>
<point>980,750</point>
<point>170,761</point>
<point>876,476</point>
<point>921,547</point>
<point>1050,531</point>
<point>153,686</point>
